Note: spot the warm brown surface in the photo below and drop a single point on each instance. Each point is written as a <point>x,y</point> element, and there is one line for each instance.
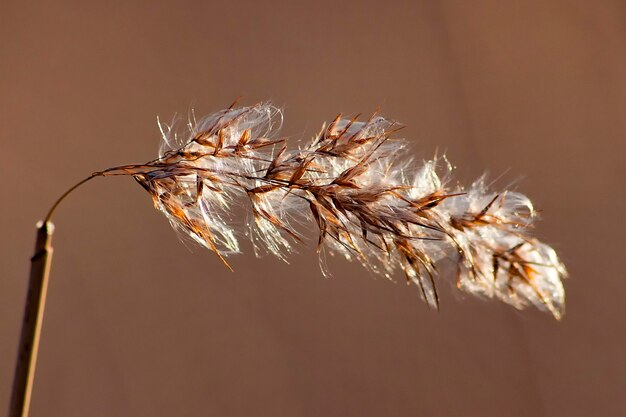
<point>137,325</point>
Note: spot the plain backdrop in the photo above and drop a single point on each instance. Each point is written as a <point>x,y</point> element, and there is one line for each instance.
<point>138,324</point>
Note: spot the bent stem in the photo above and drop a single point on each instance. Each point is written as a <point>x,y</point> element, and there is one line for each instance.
<point>68,192</point>
<point>34,311</point>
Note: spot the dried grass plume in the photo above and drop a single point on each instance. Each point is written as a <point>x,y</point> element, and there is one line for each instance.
<point>368,202</point>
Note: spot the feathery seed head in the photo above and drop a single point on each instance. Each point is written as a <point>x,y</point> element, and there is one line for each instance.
<point>368,203</point>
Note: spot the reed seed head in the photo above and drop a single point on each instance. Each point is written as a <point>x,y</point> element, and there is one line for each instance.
<point>368,201</point>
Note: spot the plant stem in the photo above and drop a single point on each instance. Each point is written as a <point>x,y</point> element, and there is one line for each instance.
<point>65,194</point>
<point>34,311</point>
<point>31,323</point>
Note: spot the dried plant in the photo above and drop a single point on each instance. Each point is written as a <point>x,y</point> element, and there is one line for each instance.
<point>368,202</point>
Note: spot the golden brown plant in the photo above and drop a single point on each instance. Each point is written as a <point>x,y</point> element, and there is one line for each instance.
<point>368,203</point>
<point>351,181</point>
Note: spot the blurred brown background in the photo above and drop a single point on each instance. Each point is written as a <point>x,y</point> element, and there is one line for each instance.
<point>138,325</point>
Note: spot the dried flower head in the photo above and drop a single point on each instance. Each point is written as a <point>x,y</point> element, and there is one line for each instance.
<point>367,201</point>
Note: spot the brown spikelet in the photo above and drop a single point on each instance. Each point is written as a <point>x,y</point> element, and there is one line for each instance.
<point>365,200</point>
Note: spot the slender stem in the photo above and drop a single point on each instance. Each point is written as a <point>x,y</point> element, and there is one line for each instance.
<point>34,311</point>
<point>65,194</point>
<point>31,323</point>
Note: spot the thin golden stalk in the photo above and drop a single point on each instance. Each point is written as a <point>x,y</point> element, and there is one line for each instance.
<point>65,194</point>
